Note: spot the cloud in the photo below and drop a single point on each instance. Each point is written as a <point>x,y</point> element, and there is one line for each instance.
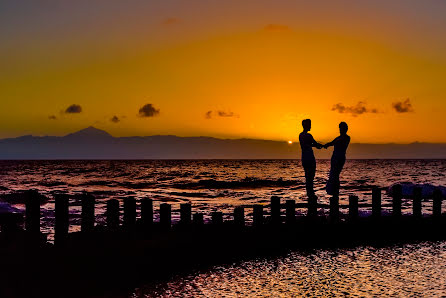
<point>276,28</point>
<point>219,113</point>
<point>148,110</point>
<point>52,117</point>
<point>403,106</point>
<point>115,119</point>
<point>171,21</point>
<point>73,109</point>
<point>358,109</point>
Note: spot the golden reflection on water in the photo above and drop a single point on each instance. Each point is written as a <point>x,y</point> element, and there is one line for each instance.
<point>416,270</point>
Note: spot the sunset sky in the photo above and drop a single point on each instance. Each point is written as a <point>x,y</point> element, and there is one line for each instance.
<point>227,68</point>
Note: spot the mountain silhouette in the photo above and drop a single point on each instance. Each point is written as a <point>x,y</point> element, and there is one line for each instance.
<point>93,143</point>
<point>89,133</point>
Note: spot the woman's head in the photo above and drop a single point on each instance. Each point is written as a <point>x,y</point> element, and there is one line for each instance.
<point>343,128</point>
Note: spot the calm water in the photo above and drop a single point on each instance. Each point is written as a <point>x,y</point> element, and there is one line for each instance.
<point>414,270</point>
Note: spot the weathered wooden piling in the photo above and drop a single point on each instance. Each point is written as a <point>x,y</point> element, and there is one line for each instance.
<point>257,215</point>
<point>62,220</point>
<point>217,218</point>
<point>87,220</point>
<point>397,195</point>
<point>437,197</point>
<point>165,215</point>
<point>275,210</point>
<point>239,216</point>
<point>334,208</point>
<point>416,205</point>
<point>32,212</point>
<point>112,214</point>
<point>198,219</point>
<point>290,215</point>
<point>185,214</point>
<point>376,202</point>
<point>146,212</point>
<point>353,207</point>
<point>129,213</point>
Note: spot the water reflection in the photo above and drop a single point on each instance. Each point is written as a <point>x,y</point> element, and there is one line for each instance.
<point>408,270</point>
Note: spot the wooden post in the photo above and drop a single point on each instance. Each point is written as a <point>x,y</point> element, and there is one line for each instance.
<point>239,216</point>
<point>437,197</point>
<point>129,213</point>
<point>185,214</point>
<point>217,218</point>
<point>353,207</point>
<point>397,194</point>
<point>32,212</point>
<point>334,208</point>
<point>275,210</point>
<point>198,219</point>
<point>61,222</point>
<point>146,212</point>
<point>416,206</point>
<point>257,215</point>
<point>87,221</point>
<point>290,206</point>
<point>112,214</point>
<point>165,215</point>
<point>376,202</point>
<point>312,206</point>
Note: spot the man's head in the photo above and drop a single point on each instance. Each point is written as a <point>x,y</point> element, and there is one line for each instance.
<point>306,124</point>
<point>343,128</point>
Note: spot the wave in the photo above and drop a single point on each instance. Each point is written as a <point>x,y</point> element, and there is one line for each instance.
<point>246,183</point>
<point>19,197</point>
<point>426,189</point>
<point>7,208</point>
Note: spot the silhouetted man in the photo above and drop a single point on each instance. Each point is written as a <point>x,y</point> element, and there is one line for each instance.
<point>337,159</point>
<point>307,143</point>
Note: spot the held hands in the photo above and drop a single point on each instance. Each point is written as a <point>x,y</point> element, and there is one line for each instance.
<point>320,146</point>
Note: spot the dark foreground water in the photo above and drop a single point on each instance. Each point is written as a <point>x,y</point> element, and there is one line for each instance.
<point>409,270</point>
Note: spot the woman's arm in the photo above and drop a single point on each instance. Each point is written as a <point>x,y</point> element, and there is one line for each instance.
<point>330,143</point>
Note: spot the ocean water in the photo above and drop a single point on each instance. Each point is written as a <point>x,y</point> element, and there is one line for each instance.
<point>410,270</point>
<point>403,270</point>
<point>208,184</point>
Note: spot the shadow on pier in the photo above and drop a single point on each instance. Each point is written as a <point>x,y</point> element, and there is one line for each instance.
<point>113,258</point>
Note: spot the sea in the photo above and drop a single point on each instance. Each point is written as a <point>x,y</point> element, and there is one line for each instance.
<point>209,185</point>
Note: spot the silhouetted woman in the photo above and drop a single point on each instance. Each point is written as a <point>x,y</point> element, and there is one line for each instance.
<point>337,159</point>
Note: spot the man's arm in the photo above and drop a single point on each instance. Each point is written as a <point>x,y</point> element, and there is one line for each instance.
<point>316,144</point>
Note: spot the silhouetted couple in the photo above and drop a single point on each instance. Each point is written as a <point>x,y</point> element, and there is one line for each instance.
<point>307,143</point>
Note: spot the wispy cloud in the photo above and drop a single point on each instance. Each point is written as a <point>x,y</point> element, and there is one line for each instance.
<point>355,110</point>
<point>171,21</point>
<point>403,106</point>
<point>220,113</point>
<point>148,110</point>
<point>276,28</point>
<point>73,109</point>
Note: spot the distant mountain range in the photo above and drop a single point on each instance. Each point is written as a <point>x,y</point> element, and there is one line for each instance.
<point>93,143</point>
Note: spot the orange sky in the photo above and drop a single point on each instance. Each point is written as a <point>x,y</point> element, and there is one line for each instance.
<point>260,67</point>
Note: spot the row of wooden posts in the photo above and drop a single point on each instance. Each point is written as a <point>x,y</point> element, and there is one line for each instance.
<point>32,214</point>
